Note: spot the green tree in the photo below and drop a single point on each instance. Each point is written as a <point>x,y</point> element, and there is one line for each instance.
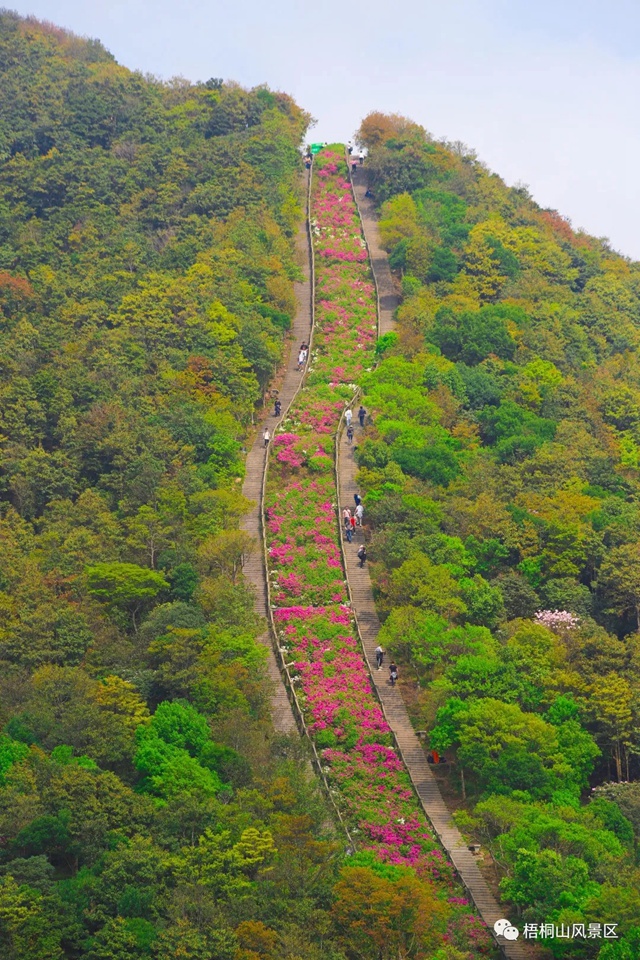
<point>31,924</point>
<point>545,881</point>
<point>428,585</point>
<point>504,747</point>
<point>225,868</point>
<point>11,751</point>
<point>122,939</point>
<point>611,702</point>
<point>471,337</point>
<point>619,580</point>
<point>626,949</point>
<point>386,918</point>
<point>226,553</point>
<point>483,601</point>
<point>125,586</point>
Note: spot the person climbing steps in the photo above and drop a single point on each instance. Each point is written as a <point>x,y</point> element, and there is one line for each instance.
<point>346,518</point>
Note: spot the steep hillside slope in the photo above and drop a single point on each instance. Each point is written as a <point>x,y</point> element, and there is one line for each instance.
<point>146,267</point>
<point>502,488</point>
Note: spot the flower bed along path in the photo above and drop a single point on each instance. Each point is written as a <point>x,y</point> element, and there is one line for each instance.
<point>309,596</point>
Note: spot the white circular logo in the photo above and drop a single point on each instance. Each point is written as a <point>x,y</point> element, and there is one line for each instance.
<point>505,929</point>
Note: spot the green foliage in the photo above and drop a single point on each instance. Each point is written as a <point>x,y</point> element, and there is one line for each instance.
<point>483,601</point>
<point>124,585</point>
<point>523,333</point>
<point>508,749</point>
<point>472,337</point>
<point>516,433</point>
<point>168,752</point>
<point>436,463</point>
<point>31,924</point>
<point>444,265</point>
<point>11,751</point>
<point>626,949</point>
<point>385,342</point>
<point>429,641</point>
<point>482,388</point>
<point>545,881</point>
<point>147,260</point>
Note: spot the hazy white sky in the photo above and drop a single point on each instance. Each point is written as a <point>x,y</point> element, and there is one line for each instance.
<point>546,91</point>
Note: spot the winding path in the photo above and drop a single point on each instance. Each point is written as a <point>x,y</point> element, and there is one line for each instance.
<point>254,569</point>
<point>363,604</point>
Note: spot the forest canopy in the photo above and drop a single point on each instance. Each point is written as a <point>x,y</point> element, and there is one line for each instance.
<point>502,485</point>
<point>147,810</point>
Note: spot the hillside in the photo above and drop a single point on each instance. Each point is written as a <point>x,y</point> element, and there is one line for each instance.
<point>502,488</point>
<point>147,260</point>
<point>149,809</point>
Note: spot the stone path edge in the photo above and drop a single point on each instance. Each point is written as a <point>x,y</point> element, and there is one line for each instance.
<point>254,568</point>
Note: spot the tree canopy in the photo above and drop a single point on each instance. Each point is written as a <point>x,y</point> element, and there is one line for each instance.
<point>147,260</point>
<point>502,493</point>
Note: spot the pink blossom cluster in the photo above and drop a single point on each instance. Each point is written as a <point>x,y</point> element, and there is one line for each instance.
<point>274,522</point>
<point>290,457</point>
<point>329,169</point>
<point>351,256</point>
<point>557,619</point>
<point>297,613</point>
<point>321,416</point>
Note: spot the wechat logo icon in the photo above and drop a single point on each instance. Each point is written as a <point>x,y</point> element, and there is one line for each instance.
<point>505,929</point>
